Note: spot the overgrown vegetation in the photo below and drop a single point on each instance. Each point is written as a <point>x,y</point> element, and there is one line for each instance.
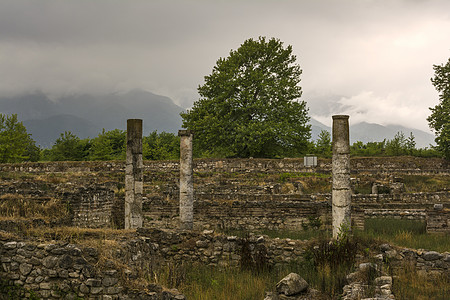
<point>405,233</point>
<point>8,291</point>
<point>18,206</point>
<point>426,183</point>
<point>410,284</point>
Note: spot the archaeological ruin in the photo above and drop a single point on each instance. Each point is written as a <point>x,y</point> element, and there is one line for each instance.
<point>180,211</point>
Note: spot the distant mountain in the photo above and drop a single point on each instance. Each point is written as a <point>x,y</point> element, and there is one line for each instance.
<point>368,132</point>
<point>87,115</point>
<point>46,131</point>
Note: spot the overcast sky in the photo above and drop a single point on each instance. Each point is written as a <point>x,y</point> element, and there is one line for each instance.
<point>369,59</point>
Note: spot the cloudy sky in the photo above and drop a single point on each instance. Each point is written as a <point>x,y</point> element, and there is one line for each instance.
<point>366,58</point>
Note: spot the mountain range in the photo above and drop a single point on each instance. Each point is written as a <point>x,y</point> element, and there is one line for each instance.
<point>370,132</point>
<point>86,116</point>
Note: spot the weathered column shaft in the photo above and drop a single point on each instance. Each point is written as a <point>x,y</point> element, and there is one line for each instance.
<point>341,194</point>
<point>134,175</point>
<point>186,181</point>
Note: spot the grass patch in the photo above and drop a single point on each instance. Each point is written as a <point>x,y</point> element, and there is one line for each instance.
<point>405,233</point>
<point>391,226</point>
<point>206,282</point>
<point>425,183</point>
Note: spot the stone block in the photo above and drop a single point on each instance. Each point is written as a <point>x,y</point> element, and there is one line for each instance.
<point>10,245</point>
<point>93,282</point>
<point>45,285</point>
<point>49,262</point>
<point>25,269</point>
<point>95,290</point>
<point>431,255</point>
<point>109,281</point>
<point>292,284</point>
<point>84,288</point>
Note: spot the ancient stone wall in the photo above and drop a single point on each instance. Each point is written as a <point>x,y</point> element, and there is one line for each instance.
<point>58,270</point>
<point>292,212</point>
<point>247,214</point>
<point>90,207</point>
<point>224,202</point>
<point>68,271</point>
<point>409,165</point>
<point>438,220</point>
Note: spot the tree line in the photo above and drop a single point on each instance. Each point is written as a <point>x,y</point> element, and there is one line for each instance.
<point>398,146</point>
<point>16,145</point>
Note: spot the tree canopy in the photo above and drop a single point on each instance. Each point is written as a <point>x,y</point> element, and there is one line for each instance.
<point>16,145</point>
<point>249,105</point>
<point>108,145</point>
<point>69,147</point>
<point>439,120</point>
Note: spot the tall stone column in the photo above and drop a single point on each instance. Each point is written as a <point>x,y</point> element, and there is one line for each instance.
<point>134,176</point>
<point>186,181</point>
<point>341,194</point>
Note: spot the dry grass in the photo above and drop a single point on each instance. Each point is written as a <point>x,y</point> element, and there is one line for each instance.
<point>410,284</point>
<point>426,183</point>
<point>19,206</point>
<point>76,235</point>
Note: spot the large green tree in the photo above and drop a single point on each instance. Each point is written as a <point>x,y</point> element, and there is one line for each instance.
<point>439,120</point>
<point>16,145</point>
<point>249,104</point>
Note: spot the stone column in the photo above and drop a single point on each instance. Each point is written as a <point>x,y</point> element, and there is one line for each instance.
<point>341,194</point>
<point>186,181</point>
<point>134,176</point>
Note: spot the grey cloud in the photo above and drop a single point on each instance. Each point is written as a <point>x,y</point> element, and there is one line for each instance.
<point>346,48</point>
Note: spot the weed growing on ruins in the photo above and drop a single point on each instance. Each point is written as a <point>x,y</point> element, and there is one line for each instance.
<point>8,291</point>
<point>258,262</point>
<point>409,284</point>
<point>332,261</point>
<point>18,206</point>
<point>314,223</point>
